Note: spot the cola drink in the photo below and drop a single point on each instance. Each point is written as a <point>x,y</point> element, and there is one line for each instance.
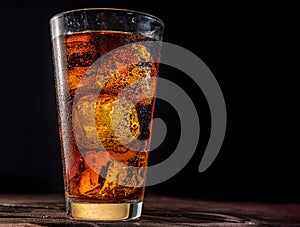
<point>92,108</point>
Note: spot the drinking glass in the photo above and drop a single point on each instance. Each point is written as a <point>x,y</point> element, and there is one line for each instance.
<point>106,66</point>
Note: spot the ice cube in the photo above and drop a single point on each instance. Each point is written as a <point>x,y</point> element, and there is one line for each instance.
<point>122,67</point>
<point>81,50</point>
<point>143,85</point>
<point>106,176</point>
<point>104,118</point>
<point>121,181</point>
<point>94,162</point>
<point>137,79</point>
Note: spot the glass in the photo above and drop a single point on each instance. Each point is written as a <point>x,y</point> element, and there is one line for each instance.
<point>106,65</point>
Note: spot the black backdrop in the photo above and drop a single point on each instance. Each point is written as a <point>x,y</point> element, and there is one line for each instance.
<point>244,46</point>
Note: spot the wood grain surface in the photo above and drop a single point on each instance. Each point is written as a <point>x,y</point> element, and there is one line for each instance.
<point>49,210</point>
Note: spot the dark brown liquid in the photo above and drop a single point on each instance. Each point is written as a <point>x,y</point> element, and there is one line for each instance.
<point>90,172</point>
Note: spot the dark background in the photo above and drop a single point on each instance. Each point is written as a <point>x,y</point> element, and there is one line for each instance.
<point>248,48</point>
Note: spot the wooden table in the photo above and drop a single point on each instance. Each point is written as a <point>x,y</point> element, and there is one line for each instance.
<point>49,210</point>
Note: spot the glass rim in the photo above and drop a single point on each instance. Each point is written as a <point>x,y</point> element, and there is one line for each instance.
<point>56,16</point>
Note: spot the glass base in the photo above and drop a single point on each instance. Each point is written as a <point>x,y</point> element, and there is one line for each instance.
<point>104,211</point>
